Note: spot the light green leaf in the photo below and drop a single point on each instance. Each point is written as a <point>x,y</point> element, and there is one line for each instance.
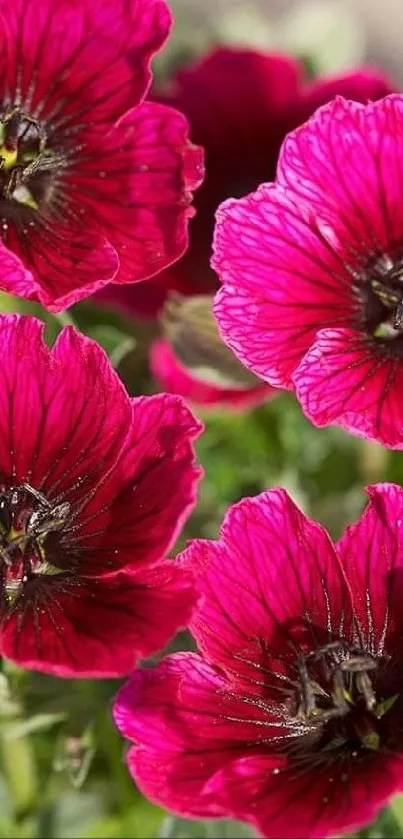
<point>39,722</point>
<point>175,828</point>
<point>116,343</point>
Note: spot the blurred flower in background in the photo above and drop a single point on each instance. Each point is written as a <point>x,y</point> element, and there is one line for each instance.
<point>191,359</point>
<point>240,105</point>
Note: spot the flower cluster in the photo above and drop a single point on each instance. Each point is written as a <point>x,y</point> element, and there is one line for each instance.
<point>290,714</point>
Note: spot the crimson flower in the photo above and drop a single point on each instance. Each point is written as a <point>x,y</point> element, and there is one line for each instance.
<point>312,267</point>
<point>94,185</point>
<point>290,717</point>
<point>240,105</point>
<point>84,513</point>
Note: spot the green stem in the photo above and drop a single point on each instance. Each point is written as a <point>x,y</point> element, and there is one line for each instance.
<point>373,460</point>
<point>18,765</point>
<point>64,318</point>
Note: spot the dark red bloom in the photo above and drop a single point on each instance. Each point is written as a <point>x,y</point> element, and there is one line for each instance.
<point>94,185</point>
<point>85,518</point>
<point>290,717</point>
<point>240,105</point>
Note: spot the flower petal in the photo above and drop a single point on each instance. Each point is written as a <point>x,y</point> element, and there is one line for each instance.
<point>67,265</point>
<point>139,187</point>
<point>346,163</point>
<point>354,381</point>
<point>282,804</point>
<point>71,62</point>
<point>271,567</point>
<point>372,555</point>
<point>63,412</point>
<point>362,85</point>
<point>94,628</point>
<point>282,282</point>
<point>144,501</point>
<point>186,722</point>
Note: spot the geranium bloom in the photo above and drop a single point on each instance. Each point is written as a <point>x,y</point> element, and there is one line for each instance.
<point>194,362</point>
<point>312,270</point>
<point>290,717</point>
<point>240,105</point>
<point>84,514</point>
<point>94,185</point>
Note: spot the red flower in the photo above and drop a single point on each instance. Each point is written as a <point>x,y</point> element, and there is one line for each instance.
<point>94,185</point>
<point>290,717</point>
<point>84,513</point>
<point>240,105</point>
<point>312,270</point>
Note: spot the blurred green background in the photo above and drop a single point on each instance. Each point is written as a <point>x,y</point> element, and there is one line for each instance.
<point>61,761</point>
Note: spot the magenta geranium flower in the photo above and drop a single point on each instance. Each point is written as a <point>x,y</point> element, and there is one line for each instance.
<point>240,105</point>
<point>312,270</point>
<point>290,717</point>
<point>85,517</point>
<point>94,185</point>
<point>192,360</point>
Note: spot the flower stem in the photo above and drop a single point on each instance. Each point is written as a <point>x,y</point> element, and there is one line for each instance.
<point>373,459</point>
<point>64,318</point>
<point>18,765</point>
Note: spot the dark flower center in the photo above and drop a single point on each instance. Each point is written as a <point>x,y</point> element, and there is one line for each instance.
<point>383,297</point>
<point>30,531</point>
<point>339,696</point>
<point>27,163</point>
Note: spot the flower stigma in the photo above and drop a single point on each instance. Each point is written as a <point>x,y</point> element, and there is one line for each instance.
<point>30,529</point>
<point>336,693</point>
<point>25,158</point>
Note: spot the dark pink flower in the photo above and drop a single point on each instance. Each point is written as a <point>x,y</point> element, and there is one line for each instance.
<point>240,105</point>
<point>85,517</point>
<point>290,717</point>
<point>312,267</point>
<point>94,185</point>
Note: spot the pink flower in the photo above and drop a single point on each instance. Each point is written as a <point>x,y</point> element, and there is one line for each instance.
<point>312,270</point>
<point>94,185</point>
<point>240,105</point>
<point>84,513</point>
<point>290,717</point>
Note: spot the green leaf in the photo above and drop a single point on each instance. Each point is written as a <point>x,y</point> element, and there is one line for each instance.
<point>175,828</point>
<point>38,722</point>
<point>116,343</point>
